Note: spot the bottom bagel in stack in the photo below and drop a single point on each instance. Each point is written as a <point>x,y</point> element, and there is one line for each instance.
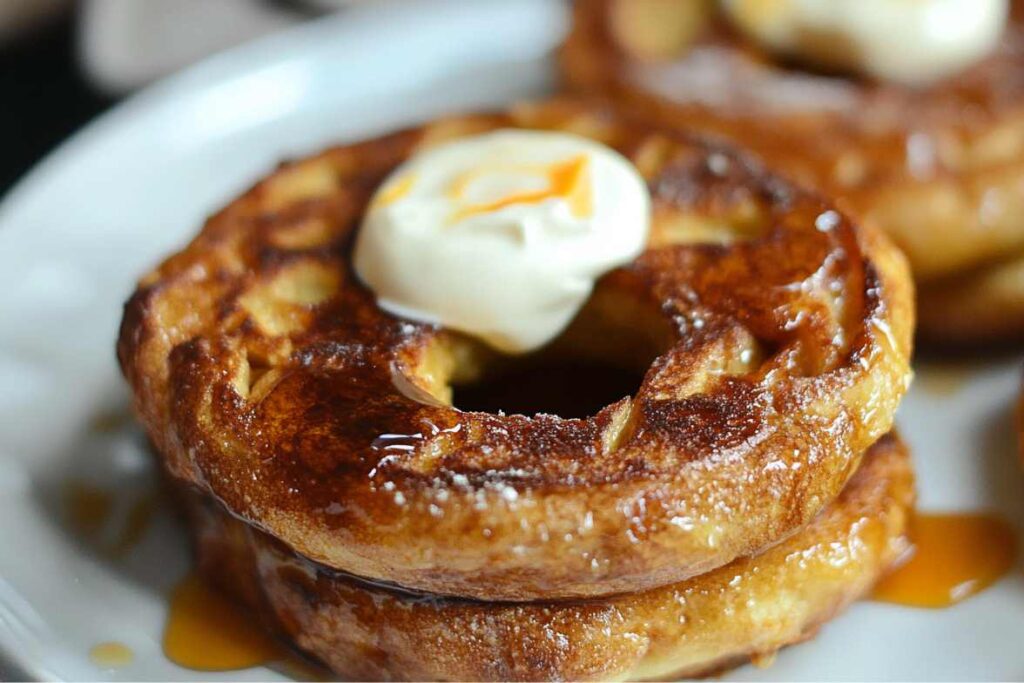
<point>744,493</point>
<point>748,608</point>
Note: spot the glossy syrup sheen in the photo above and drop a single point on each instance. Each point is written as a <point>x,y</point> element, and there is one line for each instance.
<point>954,557</point>
<point>207,632</point>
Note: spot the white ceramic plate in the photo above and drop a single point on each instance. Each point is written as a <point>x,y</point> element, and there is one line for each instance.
<point>77,231</point>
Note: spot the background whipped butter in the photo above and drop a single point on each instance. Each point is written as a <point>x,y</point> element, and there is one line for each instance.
<point>909,41</point>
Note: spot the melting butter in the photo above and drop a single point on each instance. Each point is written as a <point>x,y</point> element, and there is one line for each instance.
<point>907,41</point>
<point>502,235</point>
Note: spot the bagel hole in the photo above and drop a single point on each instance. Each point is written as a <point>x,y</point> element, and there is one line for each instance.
<point>599,359</point>
<point>564,387</point>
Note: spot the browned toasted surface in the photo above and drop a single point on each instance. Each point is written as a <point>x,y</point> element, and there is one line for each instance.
<point>750,607</point>
<point>780,335</point>
<point>941,169</point>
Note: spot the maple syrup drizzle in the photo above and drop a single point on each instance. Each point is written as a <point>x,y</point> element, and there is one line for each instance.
<point>955,556</point>
<point>111,655</point>
<point>207,632</point>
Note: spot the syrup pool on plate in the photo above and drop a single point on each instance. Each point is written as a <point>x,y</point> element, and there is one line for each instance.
<point>955,556</point>
<point>206,631</point>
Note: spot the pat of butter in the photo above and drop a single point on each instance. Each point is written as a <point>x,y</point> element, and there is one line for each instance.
<point>502,235</point>
<point>907,41</point>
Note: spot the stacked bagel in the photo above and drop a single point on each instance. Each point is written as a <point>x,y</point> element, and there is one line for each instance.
<point>747,492</point>
<point>938,166</point>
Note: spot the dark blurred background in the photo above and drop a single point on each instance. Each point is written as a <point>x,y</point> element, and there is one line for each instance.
<point>45,95</point>
<point>62,62</point>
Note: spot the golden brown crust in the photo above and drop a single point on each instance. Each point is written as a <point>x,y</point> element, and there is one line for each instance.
<point>941,169</point>
<point>267,375</point>
<point>748,608</point>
